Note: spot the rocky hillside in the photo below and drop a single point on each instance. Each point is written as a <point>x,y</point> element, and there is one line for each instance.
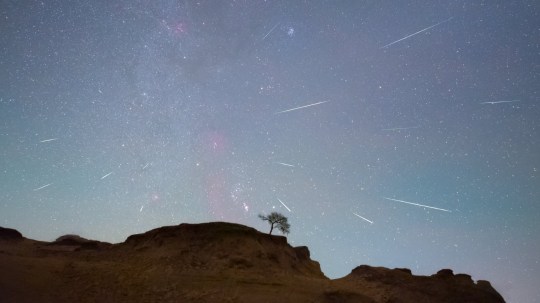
<point>211,262</point>
<point>223,248</point>
<point>399,285</point>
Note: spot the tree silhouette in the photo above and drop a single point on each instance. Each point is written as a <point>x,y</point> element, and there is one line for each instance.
<point>277,219</point>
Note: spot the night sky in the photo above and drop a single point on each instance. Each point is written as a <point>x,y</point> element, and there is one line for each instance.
<point>117,117</point>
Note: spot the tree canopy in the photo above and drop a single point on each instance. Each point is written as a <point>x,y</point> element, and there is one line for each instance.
<point>277,220</point>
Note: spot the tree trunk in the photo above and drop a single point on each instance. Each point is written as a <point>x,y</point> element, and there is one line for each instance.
<point>271,228</point>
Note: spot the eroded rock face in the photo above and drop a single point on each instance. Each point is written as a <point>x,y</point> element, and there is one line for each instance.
<point>10,234</point>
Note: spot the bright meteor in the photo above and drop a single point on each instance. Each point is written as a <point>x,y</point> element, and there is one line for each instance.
<point>42,187</point>
<point>497,102</point>
<point>284,205</point>
<point>418,32</point>
<point>416,204</point>
<point>285,164</point>
<point>48,140</point>
<point>300,107</point>
<point>371,222</point>
<point>106,176</point>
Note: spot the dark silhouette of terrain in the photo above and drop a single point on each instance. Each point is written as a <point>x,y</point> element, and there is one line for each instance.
<point>10,234</point>
<point>210,262</point>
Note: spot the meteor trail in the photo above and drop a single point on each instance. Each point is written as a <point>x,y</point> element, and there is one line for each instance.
<point>285,164</point>
<point>400,128</point>
<point>106,176</point>
<point>497,102</point>
<point>416,204</point>
<point>48,140</point>
<point>418,32</point>
<point>40,188</point>
<point>290,110</point>
<point>140,210</point>
<point>284,205</point>
<point>146,165</point>
<point>273,28</point>
<point>371,222</point>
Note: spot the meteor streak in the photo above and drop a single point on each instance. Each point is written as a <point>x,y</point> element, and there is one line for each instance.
<point>284,205</point>
<point>42,187</point>
<point>418,32</point>
<point>285,164</point>
<point>400,128</point>
<point>371,222</point>
<point>300,107</point>
<point>273,28</point>
<point>48,140</point>
<point>497,102</point>
<point>416,204</point>
<point>106,176</point>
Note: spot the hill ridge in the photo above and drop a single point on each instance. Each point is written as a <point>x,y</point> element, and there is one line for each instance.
<point>207,262</point>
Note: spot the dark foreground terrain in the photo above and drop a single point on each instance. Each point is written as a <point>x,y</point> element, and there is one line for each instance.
<point>211,262</point>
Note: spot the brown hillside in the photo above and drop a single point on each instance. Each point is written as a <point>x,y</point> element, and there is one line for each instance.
<point>399,285</point>
<point>211,262</point>
<point>224,247</point>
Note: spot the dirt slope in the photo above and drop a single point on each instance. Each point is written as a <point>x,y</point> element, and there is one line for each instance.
<point>211,262</point>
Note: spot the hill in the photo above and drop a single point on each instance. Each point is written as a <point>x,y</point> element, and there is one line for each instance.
<point>210,262</point>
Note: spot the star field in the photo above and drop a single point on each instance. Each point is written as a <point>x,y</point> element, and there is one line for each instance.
<point>390,134</point>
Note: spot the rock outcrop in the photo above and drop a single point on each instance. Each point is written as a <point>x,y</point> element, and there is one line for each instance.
<point>225,247</point>
<point>399,285</point>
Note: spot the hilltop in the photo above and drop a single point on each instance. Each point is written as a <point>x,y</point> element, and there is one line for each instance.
<point>209,262</point>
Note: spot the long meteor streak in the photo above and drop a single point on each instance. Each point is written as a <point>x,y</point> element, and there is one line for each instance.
<point>285,164</point>
<point>273,28</point>
<point>371,222</point>
<point>42,187</point>
<point>416,204</point>
<point>300,107</point>
<point>418,32</point>
<point>284,205</point>
<point>106,176</point>
<point>497,102</point>
<point>48,140</point>
<point>400,128</point>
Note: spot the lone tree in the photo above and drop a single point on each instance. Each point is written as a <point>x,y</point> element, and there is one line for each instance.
<point>277,219</point>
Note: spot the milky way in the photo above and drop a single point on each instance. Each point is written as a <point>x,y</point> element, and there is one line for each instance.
<point>117,117</point>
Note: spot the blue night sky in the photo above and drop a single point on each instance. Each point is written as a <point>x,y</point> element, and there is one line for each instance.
<point>117,117</point>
